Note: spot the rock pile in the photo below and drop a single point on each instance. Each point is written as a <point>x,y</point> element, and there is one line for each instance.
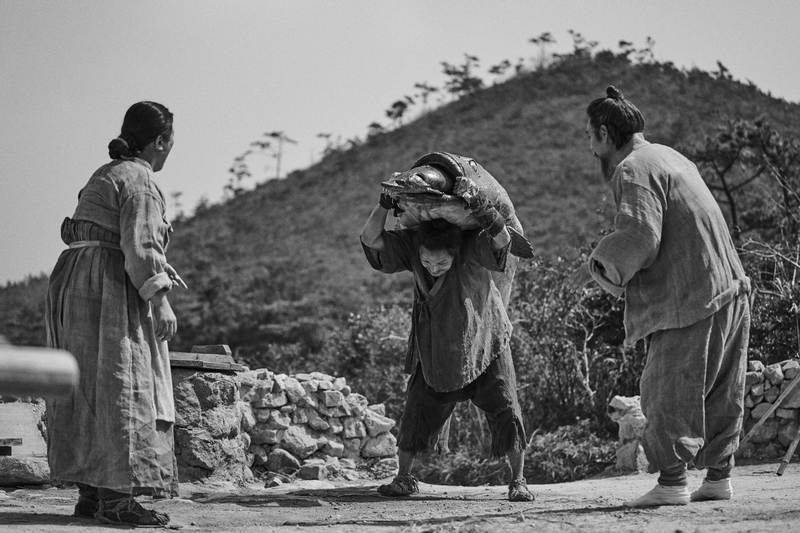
<point>313,426</point>
<point>764,385</point>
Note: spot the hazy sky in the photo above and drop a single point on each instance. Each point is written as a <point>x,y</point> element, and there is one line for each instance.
<point>232,70</point>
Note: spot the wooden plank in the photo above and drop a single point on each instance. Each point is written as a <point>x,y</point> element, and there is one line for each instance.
<point>206,365</point>
<point>214,358</point>
<point>10,442</point>
<point>222,349</point>
<point>37,372</point>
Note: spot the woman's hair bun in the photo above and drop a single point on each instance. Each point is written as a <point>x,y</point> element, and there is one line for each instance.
<point>613,92</point>
<point>122,146</point>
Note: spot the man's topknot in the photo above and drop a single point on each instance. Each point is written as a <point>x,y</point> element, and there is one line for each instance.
<point>613,92</point>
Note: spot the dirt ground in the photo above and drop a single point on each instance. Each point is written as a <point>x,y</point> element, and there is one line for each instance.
<point>762,501</point>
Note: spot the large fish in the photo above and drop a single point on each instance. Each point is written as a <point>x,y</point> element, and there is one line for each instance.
<point>435,187</point>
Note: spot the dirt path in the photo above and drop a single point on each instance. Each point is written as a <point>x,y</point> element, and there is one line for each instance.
<point>762,502</point>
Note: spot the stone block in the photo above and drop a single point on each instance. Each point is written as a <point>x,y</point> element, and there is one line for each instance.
<point>316,422</point>
<point>771,394</point>
<point>353,428</point>
<point>261,434</point>
<point>325,384</point>
<point>281,461</point>
<point>336,426</point>
<point>751,378</point>
<point>247,417</point>
<point>765,433</point>
<point>300,416</point>
<point>222,422</point>
<point>745,451</point>
<point>748,401</point>
<point>215,389</point>
<point>787,432</point>
<point>299,442</point>
<point>378,408</point>
<point>187,406</point>
<point>376,423</point>
<point>27,470</point>
<point>774,374</point>
<point>790,368</point>
<point>789,414</point>
<point>755,366</point>
<point>271,401</point>
<point>310,386</point>
<point>339,384</point>
<point>760,410</point>
<point>384,445</point>
<point>352,448</point>
<point>319,376</point>
<point>757,389</point>
<point>792,400</point>
<point>334,447</point>
<point>315,471</point>
<point>332,398</point>
<point>294,390</point>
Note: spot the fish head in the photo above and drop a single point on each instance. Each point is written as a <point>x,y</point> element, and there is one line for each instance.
<point>419,180</point>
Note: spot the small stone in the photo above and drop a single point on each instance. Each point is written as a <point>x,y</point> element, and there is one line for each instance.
<point>790,368</point>
<point>280,460</point>
<point>765,433</point>
<point>787,433</point>
<point>789,414</point>
<point>772,394</point>
<point>302,377</point>
<point>261,434</point>
<point>271,401</point>
<point>376,423</point>
<point>760,410</point>
<point>300,416</point>
<point>384,445</point>
<point>792,399</point>
<point>748,401</point>
<point>774,374</point>
<point>347,463</point>
<point>332,398</point>
<point>334,447</point>
<point>321,377</point>
<point>339,383</point>
<point>263,374</point>
<point>751,378</point>
<point>352,448</point>
<point>353,428</point>
<point>378,408</point>
<point>298,442</point>
<point>273,482</point>
<point>755,366</point>
<point>757,389</point>
<point>746,450</point>
<point>278,385</point>
<point>316,422</point>
<point>279,420</point>
<point>325,385</point>
<point>336,426</point>
<point>248,419</point>
<point>310,386</point>
<point>346,390</point>
<point>294,390</point>
<point>315,471</point>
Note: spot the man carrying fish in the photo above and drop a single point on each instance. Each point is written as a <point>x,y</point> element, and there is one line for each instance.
<point>685,292</point>
<point>459,343</point>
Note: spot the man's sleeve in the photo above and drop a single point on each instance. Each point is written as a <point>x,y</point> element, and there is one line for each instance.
<point>482,252</point>
<point>634,243</point>
<point>397,253</point>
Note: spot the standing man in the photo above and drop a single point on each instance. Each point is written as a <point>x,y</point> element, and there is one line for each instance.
<point>459,343</point>
<point>672,256</point>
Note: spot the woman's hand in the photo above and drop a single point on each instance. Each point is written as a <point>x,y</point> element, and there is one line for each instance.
<point>165,322</point>
<point>579,278</point>
<point>174,277</point>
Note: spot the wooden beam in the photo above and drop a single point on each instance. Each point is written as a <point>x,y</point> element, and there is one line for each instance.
<point>37,372</point>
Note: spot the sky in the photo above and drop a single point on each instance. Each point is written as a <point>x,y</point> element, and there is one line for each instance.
<point>233,70</point>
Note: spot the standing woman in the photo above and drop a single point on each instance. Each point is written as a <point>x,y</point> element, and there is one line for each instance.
<point>107,305</point>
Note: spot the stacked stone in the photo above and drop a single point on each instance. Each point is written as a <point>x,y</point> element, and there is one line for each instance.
<point>209,443</point>
<point>312,426</point>
<point>627,412</point>
<point>764,385</point>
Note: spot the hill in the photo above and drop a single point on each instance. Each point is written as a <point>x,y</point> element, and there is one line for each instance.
<point>283,264</point>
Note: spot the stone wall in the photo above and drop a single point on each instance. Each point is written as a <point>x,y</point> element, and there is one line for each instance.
<point>259,424</point>
<point>763,386</point>
<point>314,427</point>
